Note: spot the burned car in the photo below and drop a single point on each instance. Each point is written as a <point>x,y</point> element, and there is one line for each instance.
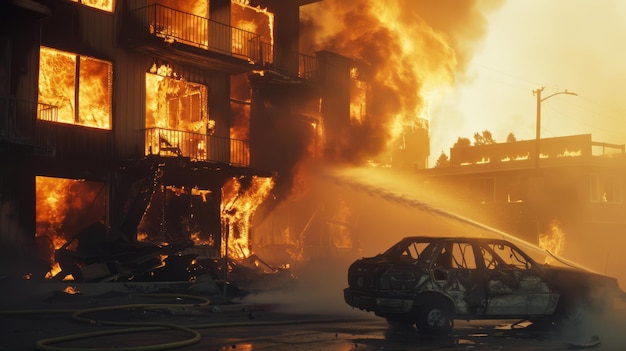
<point>431,281</point>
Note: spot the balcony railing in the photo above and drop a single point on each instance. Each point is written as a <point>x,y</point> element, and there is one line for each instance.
<point>176,26</point>
<point>272,59</point>
<point>17,120</point>
<point>197,146</point>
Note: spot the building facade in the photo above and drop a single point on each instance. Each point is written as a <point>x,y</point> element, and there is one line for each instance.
<point>153,117</point>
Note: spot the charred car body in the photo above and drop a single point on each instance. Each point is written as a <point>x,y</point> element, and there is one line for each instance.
<point>430,281</point>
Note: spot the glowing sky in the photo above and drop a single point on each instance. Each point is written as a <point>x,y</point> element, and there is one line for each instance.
<point>576,45</point>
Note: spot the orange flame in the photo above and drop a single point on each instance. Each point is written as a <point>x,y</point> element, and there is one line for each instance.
<point>63,207</point>
<point>403,59</point>
<point>106,5</point>
<point>238,208</point>
<point>58,85</point>
<point>178,109</point>
<point>554,241</point>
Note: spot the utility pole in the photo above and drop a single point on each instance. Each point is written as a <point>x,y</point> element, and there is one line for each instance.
<point>537,93</point>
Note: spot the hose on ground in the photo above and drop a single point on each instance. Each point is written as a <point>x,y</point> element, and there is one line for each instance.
<point>139,327</point>
<point>133,327</point>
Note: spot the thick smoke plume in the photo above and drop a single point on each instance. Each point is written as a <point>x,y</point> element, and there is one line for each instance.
<point>410,49</point>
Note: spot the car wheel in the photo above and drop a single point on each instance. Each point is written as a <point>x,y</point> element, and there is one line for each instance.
<point>435,319</point>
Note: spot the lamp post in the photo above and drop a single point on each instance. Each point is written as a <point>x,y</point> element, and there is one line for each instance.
<point>537,93</point>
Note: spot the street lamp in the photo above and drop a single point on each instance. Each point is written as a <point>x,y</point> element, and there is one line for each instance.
<point>537,93</point>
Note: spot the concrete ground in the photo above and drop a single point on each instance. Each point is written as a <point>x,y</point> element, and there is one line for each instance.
<point>33,313</point>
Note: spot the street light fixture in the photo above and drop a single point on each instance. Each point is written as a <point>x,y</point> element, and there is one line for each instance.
<point>537,93</point>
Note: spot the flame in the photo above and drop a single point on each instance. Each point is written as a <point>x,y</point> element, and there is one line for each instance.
<point>406,52</point>
<point>106,5</point>
<point>553,241</point>
<point>178,109</point>
<point>253,19</point>
<point>238,206</point>
<point>58,83</point>
<point>71,290</point>
<point>63,207</point>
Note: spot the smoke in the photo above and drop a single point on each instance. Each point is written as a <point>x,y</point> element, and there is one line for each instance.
<point>558,44</point>
<point>409,50</point>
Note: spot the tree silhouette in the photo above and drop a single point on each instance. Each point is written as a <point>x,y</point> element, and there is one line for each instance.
<point>484,138</point>
<point>442,161</point>
<point>511,138</point>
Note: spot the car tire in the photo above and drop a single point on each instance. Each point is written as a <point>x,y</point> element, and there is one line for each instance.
<point>435,318</point>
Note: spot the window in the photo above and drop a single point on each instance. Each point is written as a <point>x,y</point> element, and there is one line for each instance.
<point>77,88</point>
<point>605,188</point>
<point>176,115</point>
<point>106,5</point>
<point>502,256</point>
<point>482,190</point>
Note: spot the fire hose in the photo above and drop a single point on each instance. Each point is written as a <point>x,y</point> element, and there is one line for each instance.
<point>133,327</point>
<point>137,327</point>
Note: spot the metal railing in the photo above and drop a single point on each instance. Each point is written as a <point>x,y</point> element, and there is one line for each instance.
<point>197,146</point>
<point>17,120</point>
<point>176,26</point>
<point>270,59</point>
<point>47,112</point>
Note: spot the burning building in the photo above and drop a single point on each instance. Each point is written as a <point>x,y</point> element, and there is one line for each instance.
<point>196,123</point>
<point>162,121</point>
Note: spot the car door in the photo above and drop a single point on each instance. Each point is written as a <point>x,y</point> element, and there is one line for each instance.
<point>514,284</point>
<point>454,271</point>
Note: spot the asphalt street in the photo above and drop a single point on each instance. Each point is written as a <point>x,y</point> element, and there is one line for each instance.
<point>50,319</point>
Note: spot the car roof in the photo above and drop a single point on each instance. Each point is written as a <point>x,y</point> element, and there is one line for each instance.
<point>455,238</point>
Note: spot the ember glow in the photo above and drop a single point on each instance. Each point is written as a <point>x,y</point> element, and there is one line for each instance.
<point>84,99</point>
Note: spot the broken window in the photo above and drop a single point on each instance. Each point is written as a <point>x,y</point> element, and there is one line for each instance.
<point>463,256</point>
<point>605,188</point>
<point>414,250</point>
<point>501,256</point>
<point>74,89</point>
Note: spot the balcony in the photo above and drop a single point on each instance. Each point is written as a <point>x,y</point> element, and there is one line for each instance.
<point>185,37</point>
<point>196,146</point>
<point>17,121</point>
<point>290,64</point>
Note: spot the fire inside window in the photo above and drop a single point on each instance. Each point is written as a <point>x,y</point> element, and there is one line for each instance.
<point>605,188</point>
<point>106,5</point>
<point>176,116</point>
<point>74,89</point>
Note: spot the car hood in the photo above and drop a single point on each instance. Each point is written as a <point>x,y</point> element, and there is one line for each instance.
<point>564,279</point>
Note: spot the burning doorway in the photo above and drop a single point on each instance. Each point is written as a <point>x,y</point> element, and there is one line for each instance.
<point>64,207</point>
<point>177,120</point>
